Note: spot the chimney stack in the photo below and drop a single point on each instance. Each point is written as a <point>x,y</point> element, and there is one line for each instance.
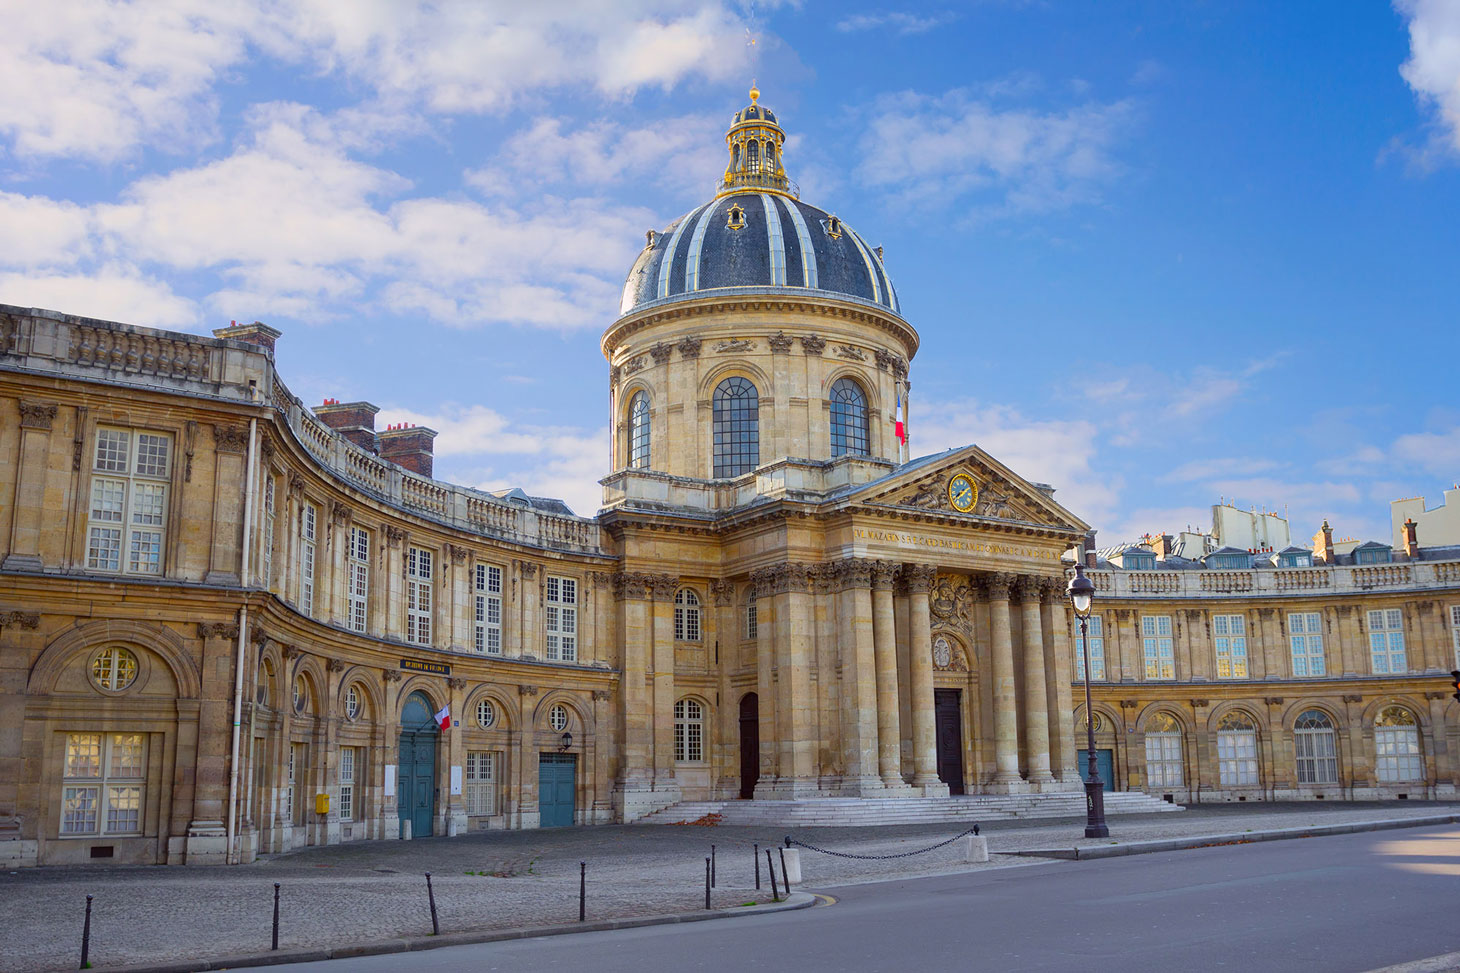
<point>1164,545</point>
<point>1091,558</point>
<point>257,333</point>
<point>353,420</point>
<point>1411,538</point>
<point>1323,545</point>
<point>409,446</point>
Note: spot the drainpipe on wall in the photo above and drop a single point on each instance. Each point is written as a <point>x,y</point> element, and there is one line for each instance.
<point>231,856</point>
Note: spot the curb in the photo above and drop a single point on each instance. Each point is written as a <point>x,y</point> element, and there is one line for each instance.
<point>1088,853</point>
<point>795,902</point>
<point>1435,964</point>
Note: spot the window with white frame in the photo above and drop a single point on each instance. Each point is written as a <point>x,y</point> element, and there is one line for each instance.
<point>418,595</point>
<point>689,731</point>
<point>104,780</point>
<point>1396,746</point>
<point>1305,642</point>
<point>486,714</point>
<point>357,579</point>
<point>686,616</point>
<point>752,622</point>
<point>481,782</point>
<point>353,704</point>
<point>1095,632</point>
<point>1156,643</point>
<point>266,543</point>
<point>1455,632</point>
<point>298,781</point>
<point>1237,750</point>
<point>128,519</point>
<point>347,783</point>
<point>308,532</point>
<point>639,431</point>
<point>1163,751</point>
<point>558,717</point>
<point>1386,641</point>
<point>113,669</point>
<point>1316,748</point>
<point>562,619</point>
<point>1229,636</point>
<point>488,636</point>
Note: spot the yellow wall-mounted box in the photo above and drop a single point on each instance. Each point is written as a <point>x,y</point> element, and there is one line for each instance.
<point>321,804</point>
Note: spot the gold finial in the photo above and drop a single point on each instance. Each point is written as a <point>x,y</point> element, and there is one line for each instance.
<point>754,92</point>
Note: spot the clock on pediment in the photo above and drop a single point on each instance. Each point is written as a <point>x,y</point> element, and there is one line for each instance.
<point>962,493</point>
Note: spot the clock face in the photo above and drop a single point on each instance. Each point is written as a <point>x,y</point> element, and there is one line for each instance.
<point>962,493</point>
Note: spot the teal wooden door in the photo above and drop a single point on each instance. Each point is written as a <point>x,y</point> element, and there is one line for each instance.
<point>416,786</point>
<point>1104,766</point>
<point>556,789</point>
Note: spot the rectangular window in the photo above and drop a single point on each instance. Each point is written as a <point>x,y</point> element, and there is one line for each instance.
<point>562,619</point>
<point>1229,634</point>
<point>1397,756</point>
<point>298,781</point>
<point>1386,641</point>
<point>1157,645</point>
<point>347,783</point>
<point>357,577</point>
<point>481,782</point>
<point>104,778</point>
<point>128,510</point>
<point>1317,756</point>
<point>1305,640</point>
<point>488,610</point>
<point>1455,632</point>
<point>1163,759</point>
<point>308,519</point>
<point>1237,758</point>
<point>752,622</point>
<point>266,546</point>
<point>418,596</point>
<point>1096,629</point>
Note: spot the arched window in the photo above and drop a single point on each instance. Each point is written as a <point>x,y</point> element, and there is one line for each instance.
<point>848,419</point>
<point>639,431</point>
<point>301,694</point>
<point>1237,750</point>
<point>752,156</point>
<point>486,714</point>
<point>1163,751</point>
<point>689,730</point>
<point>353,704</point>
<point>752,623</point>
<point>736,427</point>
<point>1396,746</point>
<point>558,717</point>
<point>686,616</point>
<point>1315,748</point>
<point>114,669</point>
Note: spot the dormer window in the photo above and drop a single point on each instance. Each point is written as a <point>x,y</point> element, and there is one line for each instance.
<point>833,227</point>
<point>1139,562</point>
<point>737,218</point>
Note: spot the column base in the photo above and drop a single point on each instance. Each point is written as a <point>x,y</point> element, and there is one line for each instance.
<point>1016,786</point>
<point>1059,786</point>
<point>930,786</point>
<point>206,843</point>
<point>22,562</point>
<point>789,789</point>
<point>862,787</point>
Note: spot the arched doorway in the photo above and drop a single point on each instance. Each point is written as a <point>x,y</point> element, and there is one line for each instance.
<point>749,745</point>
<point>416,799</point>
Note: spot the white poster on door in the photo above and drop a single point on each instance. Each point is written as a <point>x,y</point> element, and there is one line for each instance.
<point>455,781</point>
<point>390,780</point>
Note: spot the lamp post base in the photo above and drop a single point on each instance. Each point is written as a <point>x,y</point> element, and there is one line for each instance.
<point>1095,809</point>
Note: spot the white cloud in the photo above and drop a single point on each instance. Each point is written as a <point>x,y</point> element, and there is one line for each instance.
<point>962,147</point>
<point>895,21</point>
<point>1155,521</point>
<point>1436,453</point>
<point>116,293</point>
<point>1206,469</point>
<point>42,232</point>
<point>1433,68</point>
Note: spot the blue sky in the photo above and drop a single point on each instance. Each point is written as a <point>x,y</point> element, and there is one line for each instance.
<point>1159,253</point>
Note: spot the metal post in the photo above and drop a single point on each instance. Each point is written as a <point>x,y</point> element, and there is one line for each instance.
<point>1094,787</point>
<point>276,917</point>
<point>771,869</point>
<point>707,882</point>
<point>86,936</point>
<point>431,895</point>
<point>712,866</point>
<point>785,874</point>
<point>582,890</point>
<point>756,856</point>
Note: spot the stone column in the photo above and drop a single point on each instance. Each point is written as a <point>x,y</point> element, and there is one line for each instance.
<point>1059,655</point>
<point>884,636</point>
<point>859,679</point>
<point>458,630</point>
<point>919,578</point>
<point>29,509</point>
<point>765,667</point>
<point>663,586</point>
<point>1006,725</point>
<point>796,709</point>
<point>212,732</point>
<point>723,744</point>
<point>388,594</point>
<point>629,590</point>
<point>1036,699</point>
<point>230,466</point>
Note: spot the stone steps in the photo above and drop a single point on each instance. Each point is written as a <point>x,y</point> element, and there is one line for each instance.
<point>842,812</point>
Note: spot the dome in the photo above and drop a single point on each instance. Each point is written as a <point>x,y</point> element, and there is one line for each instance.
<point>756,234</point>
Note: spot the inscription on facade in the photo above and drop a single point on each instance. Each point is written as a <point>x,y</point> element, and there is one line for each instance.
<point>920,541</point>
<point>421,665</point>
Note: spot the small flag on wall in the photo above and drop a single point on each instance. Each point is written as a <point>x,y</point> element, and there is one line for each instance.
<point>899,430</point>
<point>444,718</point>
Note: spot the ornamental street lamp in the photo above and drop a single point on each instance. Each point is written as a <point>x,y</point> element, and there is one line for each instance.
<point>1081,592</point>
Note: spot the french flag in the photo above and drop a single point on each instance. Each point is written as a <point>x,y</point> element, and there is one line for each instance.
<point>898,429</point>
<point>444,718</point>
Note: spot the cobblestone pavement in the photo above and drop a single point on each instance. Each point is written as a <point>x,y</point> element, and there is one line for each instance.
<point>375,890</point>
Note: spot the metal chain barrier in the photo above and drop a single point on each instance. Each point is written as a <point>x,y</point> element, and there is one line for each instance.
<point>877,858</point>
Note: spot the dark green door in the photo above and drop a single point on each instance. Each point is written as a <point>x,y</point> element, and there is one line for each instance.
<point>556,790</point>
<point>416,797</point>
<point>1104,766</point>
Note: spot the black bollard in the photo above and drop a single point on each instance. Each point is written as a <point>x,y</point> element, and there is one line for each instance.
<point>712,866</point>
<point>756,856</point>
<point>431,895</point>
<point>582,891</point>
<point>276,917</point>
<point>707,883</point>
<point>785,875</point>
<point>771,869</point>
<point>86,936</point>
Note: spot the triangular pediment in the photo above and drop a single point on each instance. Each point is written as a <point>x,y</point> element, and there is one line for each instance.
<point>1001,494</point>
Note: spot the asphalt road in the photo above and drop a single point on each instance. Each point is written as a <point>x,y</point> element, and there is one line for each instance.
<point>1349,903</point>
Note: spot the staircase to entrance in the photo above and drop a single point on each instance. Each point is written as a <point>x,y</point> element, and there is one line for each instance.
<point>843,812</point>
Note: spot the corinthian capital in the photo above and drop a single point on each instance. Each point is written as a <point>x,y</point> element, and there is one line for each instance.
<point>884,573</point>
<point>919,577</point>
<point>997,585</point>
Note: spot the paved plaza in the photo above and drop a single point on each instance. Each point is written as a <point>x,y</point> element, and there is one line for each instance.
<point>373,891</point>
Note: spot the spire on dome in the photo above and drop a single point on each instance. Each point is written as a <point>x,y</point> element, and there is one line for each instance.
<point>754,142</point>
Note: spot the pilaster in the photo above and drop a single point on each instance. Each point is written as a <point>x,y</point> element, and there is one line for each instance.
<point>1006,727</point>
<point>1036,697</point>
<point>919,579</point>
<point>884,637</point>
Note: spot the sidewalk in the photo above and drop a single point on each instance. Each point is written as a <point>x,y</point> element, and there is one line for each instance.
<point>367,892</point>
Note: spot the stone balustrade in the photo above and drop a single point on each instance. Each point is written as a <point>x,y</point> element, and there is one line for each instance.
<point>1283,582</point>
